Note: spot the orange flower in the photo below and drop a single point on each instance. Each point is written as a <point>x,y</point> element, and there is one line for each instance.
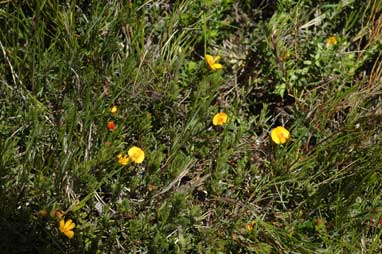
<point>111,125</point>
<point>280,135</point>
<point>250,226</point>
<point>67,228</point>
<point>220,119</point>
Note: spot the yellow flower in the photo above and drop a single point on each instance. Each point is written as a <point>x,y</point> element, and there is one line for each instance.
<point>123,159</point>
<point>250,226</point>
<point>211,61</point>
<point>220,118</point>
<point>136,154</point>
<point>330,41</point>
<point>280,135</point>
<point>67,228</point>
<point>114,109</point>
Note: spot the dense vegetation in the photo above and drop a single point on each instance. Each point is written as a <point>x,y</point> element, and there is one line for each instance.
<point>313,67</point>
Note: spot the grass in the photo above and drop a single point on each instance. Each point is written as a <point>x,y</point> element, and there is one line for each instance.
<point>64,65</point>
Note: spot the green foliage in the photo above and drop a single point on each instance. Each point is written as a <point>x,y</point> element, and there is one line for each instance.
<point>64,65</point>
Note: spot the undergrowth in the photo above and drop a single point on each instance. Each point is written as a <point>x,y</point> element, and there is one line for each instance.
<point>313,67</point>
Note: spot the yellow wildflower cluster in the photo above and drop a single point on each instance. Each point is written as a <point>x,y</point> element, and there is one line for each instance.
<point>279,135</point>
<point>135,154</point>
<point>111,124</point>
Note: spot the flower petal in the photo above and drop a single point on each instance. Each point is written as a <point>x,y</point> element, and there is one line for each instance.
<point>71,226</point>
<point>216,58</point>
<point>69,234</point>
<point>62,224</point>
<point>216,66</point>
<point>209,59</point>
<point>67,224</point>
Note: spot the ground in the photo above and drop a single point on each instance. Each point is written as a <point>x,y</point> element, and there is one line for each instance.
<point>107,119</point>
